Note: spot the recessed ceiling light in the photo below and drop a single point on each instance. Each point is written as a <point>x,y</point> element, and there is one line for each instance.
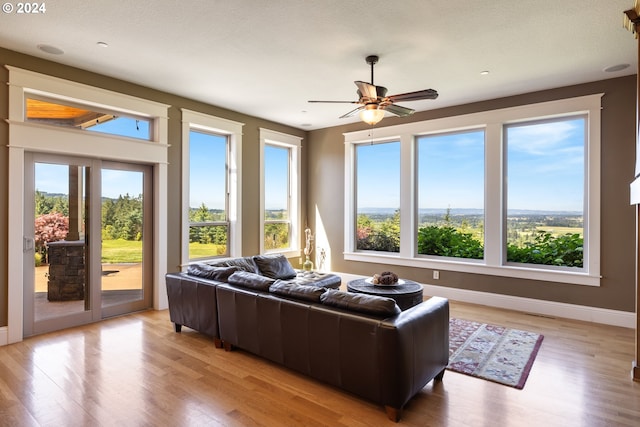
<point>306,124</point>
<point>484,73</point>
<point>50,49</point>
<point>102,44</point>
<point>614,68</point>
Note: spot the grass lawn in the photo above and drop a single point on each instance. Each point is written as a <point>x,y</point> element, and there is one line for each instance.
<point>121,251</point>
<point>128,251</point>
<point>204,250</point>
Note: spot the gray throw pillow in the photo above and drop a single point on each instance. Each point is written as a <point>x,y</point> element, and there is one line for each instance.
<point>301,292</point>
<point>250,280</point>
<point>205,271</point>
<point>243,263</point>
<point>363,303</point>
<point>275,266</point>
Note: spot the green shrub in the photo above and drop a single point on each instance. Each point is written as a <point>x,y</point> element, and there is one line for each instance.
<point>447,241</point>
<point>566,250</point>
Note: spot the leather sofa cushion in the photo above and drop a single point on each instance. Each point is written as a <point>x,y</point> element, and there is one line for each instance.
<point>315,278</point>
<point>243,263</point>
<point>250,280</point>
<point>205,271</point>
<point>274,266</point>
<point>362,303</point>
<point>300,292</point>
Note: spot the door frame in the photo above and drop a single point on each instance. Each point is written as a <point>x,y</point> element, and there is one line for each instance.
<point>93,248</point>
<point>27,137</point>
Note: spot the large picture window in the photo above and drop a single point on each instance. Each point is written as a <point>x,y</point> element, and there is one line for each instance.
<point>545,191</point>
<point>512,192</point>
<point>451,194</point>
<point>378,197</point>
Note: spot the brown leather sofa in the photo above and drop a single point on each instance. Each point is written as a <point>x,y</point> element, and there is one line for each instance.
<point>192,296</point>
<point>385,359</point>
<point>360,343</point>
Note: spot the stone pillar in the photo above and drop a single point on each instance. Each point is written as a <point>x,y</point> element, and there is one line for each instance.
<point>75,203</point>
<point>66,271</point>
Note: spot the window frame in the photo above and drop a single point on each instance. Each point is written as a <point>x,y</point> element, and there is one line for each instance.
<point>203,123</point>
<point>355,202</point>
<point>294,145</point>
<point>492,122</point>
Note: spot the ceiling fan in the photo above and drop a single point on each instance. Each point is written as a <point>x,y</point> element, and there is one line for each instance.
<point>374,101</point>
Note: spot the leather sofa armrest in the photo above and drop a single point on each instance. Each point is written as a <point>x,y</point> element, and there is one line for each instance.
<point>416,344</point>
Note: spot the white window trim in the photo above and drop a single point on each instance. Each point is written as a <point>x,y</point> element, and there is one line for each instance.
<point>294,143</point>
<point>32,137</point>
<point>492,122</point>
<point>193,120</point>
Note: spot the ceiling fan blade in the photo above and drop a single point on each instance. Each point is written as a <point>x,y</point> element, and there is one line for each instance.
<point>338,102</point>
<point>415,96</point>
<point>398,110</point>
<point>352,112</point>
<point>367,90</point>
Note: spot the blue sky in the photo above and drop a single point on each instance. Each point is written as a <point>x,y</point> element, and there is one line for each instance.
<point>544,163</point>
<point>53,178</point>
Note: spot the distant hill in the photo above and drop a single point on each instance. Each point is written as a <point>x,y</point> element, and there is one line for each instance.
<point>469,212</point>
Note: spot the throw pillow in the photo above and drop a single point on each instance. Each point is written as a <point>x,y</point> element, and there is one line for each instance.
<point>243,263</point>
<point>209,272</point>
<point>250,280</point>
<point>275,266</point>
<point>363,303</point>
<point>301,292</point>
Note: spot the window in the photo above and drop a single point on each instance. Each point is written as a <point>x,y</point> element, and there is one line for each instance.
<point>88,118</point>
<point>280,192</point>
<point>378,197</point>
<point>277,224</point>
<point>208,218</point>
<point>512,192</point>
<point>451,194</point>
<point>545,191</point>
<point>211,150</point>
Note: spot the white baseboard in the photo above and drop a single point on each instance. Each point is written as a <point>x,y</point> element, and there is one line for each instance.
<point>605,316</point>
<point>4,336</point>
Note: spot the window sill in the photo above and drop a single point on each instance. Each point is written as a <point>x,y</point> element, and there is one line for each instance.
<point>531,273</point>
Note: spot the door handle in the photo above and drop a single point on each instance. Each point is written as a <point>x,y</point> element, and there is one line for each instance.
<point>28,244</point>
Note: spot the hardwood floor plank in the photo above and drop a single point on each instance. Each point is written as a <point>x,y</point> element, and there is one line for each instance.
<point>135,370</point>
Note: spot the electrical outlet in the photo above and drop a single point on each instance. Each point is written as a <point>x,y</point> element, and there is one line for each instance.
<point>436,274</point>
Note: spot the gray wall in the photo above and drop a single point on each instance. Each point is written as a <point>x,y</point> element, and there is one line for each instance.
<point>617,290</point>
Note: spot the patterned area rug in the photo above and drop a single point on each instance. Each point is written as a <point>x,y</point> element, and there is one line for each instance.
<point>491,352</point>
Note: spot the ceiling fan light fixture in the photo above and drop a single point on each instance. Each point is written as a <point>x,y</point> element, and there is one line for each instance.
<point>371,114</point>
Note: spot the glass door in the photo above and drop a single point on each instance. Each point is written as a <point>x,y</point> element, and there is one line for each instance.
<point>126,238</point>
<point>86,246</point>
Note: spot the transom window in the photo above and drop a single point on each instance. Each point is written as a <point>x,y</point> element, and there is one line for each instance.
<point>88,118</point>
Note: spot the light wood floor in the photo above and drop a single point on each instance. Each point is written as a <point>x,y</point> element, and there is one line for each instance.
<point>136,371</point>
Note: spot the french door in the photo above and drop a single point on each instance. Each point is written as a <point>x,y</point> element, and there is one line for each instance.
<point>87,245</point>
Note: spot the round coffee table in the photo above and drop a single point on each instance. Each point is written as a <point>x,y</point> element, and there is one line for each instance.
<point>406,295</point>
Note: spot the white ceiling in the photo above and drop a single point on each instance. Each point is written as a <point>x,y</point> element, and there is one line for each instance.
<point>268,58</point>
